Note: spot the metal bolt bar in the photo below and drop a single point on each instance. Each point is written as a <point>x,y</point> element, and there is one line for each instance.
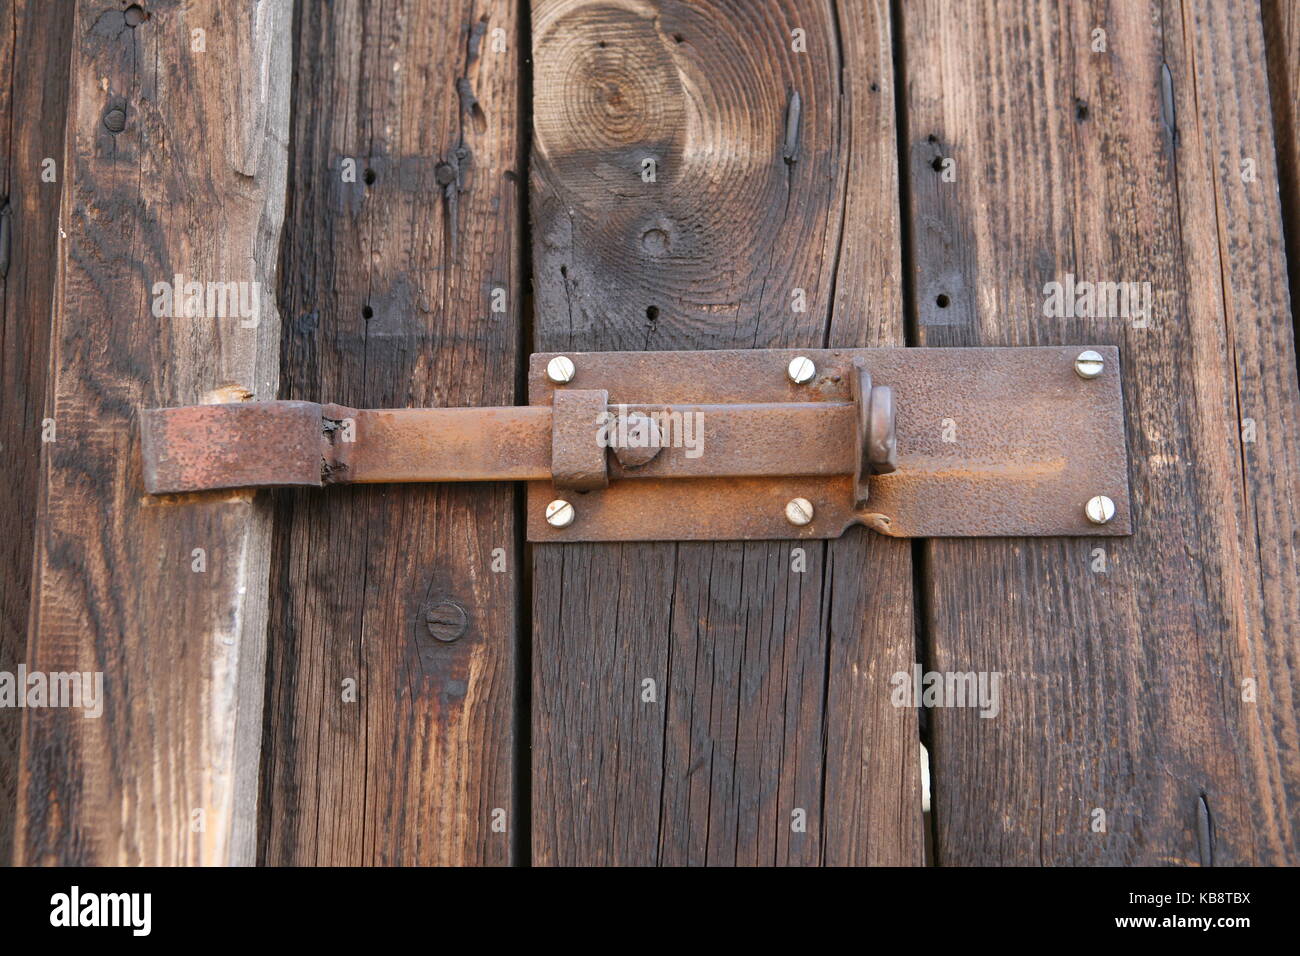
<point>267,444</point>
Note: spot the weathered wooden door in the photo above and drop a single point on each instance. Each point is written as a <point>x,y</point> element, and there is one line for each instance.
<point>425,192</point>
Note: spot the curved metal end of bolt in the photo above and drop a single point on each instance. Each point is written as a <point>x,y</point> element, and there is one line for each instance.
<point>880,523</point>
<point>874,433</point>
<point>238,445</point>
<point>882,437</point>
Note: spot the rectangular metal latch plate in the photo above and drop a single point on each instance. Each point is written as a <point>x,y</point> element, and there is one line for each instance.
<point>989,442</point>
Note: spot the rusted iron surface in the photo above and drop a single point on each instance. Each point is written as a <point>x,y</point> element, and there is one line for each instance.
<point>440,444</point>
<point>745,440</point>
<point>986,442</point>
<point>990,442</point>
<point>874,435</point>
<point>257,445</point>
<point>578,454</point>
<point>243,445</point>
<point>645,444</point>
<point>270,444</point>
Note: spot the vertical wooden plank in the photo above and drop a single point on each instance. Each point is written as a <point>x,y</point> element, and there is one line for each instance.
<point>391,687</point>
<point>1282,43</point>
<point>175,166</point>
<point>1160,690</point>
<point>770,128</point>
<point>872,799</point>
<point>33,102</point>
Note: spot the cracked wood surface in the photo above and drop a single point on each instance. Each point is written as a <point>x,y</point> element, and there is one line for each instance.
<point>774,171</point>
<point>404,221</point>
<point>170,167</point>
<point>34,57</point>
<point>1282,40</point>
<point>1122,691</point>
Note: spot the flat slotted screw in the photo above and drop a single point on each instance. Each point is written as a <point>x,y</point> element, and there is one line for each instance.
<point>1089,364</point>
<point>799,511</point>
<point>1099,509</point>
<point>559,513</point>
<point>560,370</point>
<point>801,370</point>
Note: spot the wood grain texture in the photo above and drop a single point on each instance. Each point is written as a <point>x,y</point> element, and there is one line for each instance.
<point>34,53</point>
<point>774,170</point>
<point>175,164</point>
<point>389,284</point>
<point>1282,44</point>
<point>1122,690</point>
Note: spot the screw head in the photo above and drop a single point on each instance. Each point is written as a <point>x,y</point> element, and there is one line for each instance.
<point>801,370</point>
<point>799,511</point>
<point>1089,364</point>
<point>560,369</point>
<point>446,621</point>
<point>1099,509</point>
<point>559,513</point>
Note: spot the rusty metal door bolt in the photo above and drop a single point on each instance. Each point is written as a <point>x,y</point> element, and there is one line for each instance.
<point>755,444</point>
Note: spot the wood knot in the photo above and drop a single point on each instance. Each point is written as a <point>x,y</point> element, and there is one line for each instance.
<point>655,242</point>
<point>614,90</point>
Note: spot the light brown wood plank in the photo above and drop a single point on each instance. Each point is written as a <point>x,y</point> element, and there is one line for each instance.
<point>1122,691</point>
<point>389,289</point>
<point>771,684</point>
<point>175,164</point>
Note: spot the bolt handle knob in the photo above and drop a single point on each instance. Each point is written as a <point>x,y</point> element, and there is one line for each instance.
<point>874,434</point>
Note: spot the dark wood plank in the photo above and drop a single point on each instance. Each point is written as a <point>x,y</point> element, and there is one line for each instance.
<point>176,164</point>
<point>1122,690</point>
<point>770,683</point>
<point>1282,43</point>
<point>388,288</point>
<point>34,51</point>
